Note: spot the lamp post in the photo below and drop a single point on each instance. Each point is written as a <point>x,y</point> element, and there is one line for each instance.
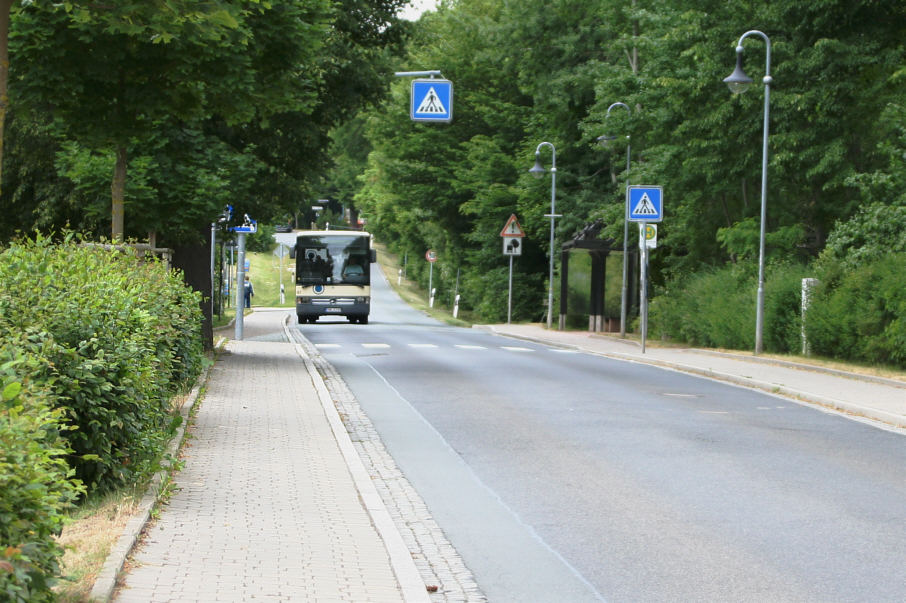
<point>623,290</point>
<point>538,171</point>
<point>739,82</point>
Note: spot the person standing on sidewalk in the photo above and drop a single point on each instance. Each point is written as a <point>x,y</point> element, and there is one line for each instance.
<point>249,292</point>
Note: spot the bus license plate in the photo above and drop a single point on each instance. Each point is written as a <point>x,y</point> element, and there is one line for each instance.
<point>333,310</point>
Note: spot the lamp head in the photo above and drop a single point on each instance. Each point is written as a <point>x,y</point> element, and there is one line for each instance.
<point>537,170</point>
<point>738,81</point>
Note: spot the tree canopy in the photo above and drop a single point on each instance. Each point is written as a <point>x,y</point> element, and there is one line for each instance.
<point>525,73</point>
<point>205,102</point>
<point>270,104</point>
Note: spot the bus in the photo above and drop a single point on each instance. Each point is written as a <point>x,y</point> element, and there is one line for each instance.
<point>333,274</point>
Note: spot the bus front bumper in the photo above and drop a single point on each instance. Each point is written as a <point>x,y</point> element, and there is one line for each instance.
<point>332,306</point>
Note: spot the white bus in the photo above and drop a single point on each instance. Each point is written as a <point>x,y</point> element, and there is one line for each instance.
<point>333,274</point>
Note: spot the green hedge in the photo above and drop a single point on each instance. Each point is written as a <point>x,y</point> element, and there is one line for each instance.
<point>859,314</point>
<point>121,334</point>
<point>716,308</point>
<point>35,484</point>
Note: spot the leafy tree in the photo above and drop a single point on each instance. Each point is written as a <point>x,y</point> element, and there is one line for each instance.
<point>112,73</point>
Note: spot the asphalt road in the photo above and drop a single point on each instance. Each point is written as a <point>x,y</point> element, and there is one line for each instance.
<point>562,476</point>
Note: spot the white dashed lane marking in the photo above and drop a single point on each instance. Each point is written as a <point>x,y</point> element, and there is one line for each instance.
<point>384,346</point>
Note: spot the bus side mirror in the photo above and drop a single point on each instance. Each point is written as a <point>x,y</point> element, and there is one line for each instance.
<point>292,252</point>
<point>373,255</point>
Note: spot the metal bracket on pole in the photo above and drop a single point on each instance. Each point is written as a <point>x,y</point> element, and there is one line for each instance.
<point>431,74</point>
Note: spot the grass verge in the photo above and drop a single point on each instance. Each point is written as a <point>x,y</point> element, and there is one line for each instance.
<point>411,293</point>
<point>94,529</point>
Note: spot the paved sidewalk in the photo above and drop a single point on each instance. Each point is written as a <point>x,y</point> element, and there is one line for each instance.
<point>874,398</point>
<point>272,503</point>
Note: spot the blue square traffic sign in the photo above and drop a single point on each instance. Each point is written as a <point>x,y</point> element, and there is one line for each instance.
<point>432,100</point>
<point>644,203</point>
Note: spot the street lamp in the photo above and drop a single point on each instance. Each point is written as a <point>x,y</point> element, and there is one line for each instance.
<point>538,171</point>
<point>623,294</point>
<point>739,82</point>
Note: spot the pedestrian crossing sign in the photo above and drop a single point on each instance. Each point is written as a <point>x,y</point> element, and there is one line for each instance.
<point>431,100</point>
<point>644,203</point>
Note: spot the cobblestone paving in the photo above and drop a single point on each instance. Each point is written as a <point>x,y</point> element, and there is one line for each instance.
<point>265,508</point>
<point>437,561</point>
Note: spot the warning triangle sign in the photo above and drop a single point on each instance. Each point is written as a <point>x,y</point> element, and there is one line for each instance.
<point>512,228</point>
<point>431,104</point>
<point>644,207</point>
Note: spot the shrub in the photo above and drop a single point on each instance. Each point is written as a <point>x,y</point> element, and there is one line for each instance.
<point>35,488</point>
<point>716,308</point>
<point>860,314</point>
<point>122,335</point>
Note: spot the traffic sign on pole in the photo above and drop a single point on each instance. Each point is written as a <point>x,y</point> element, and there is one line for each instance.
<point>512,246</point>
<point>512,228</point>
<point>648,236</point>
<point>644,203</point>
<point>431,100</point>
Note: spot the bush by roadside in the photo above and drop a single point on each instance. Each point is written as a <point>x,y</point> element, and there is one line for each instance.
<point>35,484</point>
<point>716,308</point>
<point>94,343</point>
<point>857,314</point>
<point>121,335</point>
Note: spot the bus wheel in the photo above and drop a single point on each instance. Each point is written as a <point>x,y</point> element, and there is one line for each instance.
<point>363,320</point>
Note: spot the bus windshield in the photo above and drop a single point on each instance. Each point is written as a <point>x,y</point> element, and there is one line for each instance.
<point>332,260</point>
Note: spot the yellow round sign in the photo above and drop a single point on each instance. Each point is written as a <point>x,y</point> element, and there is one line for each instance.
<point>650,232</point>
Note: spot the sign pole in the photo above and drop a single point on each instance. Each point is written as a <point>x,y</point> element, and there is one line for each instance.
<point>248,225</point>
<point>509,303</point>
<point>511,234</point>
<point>240,287</point>
<point>644,287</point>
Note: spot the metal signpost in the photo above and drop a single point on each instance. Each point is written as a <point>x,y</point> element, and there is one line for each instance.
<point>645,204</point>
<point>431,256</point>
<point>248,226</point>
<point>512,246</point>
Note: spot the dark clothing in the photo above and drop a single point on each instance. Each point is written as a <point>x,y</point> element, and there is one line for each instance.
<point>249,292</point>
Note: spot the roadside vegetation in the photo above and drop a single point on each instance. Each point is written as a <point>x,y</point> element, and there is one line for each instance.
<point>96,344</point>
<point>524,73</point>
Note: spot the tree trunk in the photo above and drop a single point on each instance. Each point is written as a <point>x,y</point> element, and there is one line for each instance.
<point>118,190</point>
<point>5,6</point>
